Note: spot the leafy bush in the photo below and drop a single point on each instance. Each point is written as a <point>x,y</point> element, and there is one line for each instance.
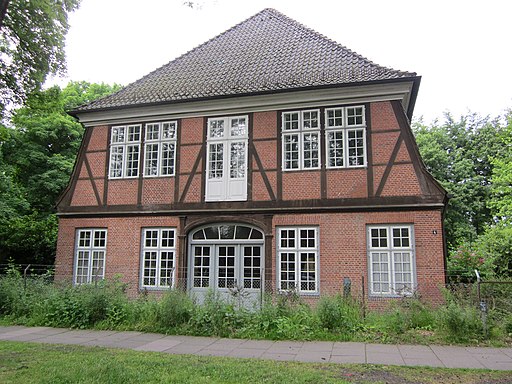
<point>338,314</point>
<point>461,323</point>
<point>175,309</point>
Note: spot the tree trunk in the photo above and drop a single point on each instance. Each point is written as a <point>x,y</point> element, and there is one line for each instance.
<point>3,10</point>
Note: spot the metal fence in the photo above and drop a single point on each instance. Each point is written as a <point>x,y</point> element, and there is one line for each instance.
<point>491,297</point>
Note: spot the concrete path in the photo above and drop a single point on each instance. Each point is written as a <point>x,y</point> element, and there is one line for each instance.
<point>309,351</point>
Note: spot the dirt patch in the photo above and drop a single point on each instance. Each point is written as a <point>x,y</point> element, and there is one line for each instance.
<point>401,375</point>
<point>375,376</point>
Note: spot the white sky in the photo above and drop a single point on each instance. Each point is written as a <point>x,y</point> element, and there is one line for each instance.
<point>462,49</point>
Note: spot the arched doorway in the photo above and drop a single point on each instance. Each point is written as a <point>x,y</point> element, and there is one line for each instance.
<point>227,259</point>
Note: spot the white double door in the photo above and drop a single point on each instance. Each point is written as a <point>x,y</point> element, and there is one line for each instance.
<point>234,271</point>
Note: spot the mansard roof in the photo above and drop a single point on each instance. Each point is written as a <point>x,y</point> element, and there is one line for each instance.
<point>267,53</point>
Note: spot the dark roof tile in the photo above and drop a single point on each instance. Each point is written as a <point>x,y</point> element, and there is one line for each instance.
<point>268,52</point>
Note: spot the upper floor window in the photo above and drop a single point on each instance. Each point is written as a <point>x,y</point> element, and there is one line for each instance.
<point>301,140</point>
<point>124,151</point>
<point>391,259</point>
<point>226,167</point>
<point>160,149</point>
<point>345,137</point>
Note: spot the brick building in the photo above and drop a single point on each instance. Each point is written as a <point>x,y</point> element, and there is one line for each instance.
<point>269,158</point>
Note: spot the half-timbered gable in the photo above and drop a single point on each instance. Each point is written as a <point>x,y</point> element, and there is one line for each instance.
<point>268,159</point>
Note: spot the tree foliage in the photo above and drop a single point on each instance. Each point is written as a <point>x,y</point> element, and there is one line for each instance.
<point>459,155</point>
<point>36,160</point>
<point>501,202</point>
<point>32,39</point>
<point>472,158</point>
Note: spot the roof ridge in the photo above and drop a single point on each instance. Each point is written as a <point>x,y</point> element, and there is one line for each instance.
<point>267,52</point>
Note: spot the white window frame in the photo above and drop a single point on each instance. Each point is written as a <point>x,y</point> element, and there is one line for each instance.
<point>124,139</point>
<point>152,251</point>
<point>301,128</point>
<point>221,183</point>
<point>346,125</point>
<point>385,253</point>
<point>160,135</point>
<point>290,251</point>
<point>90,255</point>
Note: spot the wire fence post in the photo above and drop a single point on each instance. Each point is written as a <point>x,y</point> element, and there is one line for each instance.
<point>482,304</point>
<point>25,277</point>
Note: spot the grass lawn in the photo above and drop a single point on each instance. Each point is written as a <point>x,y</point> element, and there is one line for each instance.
<point>42,363</point>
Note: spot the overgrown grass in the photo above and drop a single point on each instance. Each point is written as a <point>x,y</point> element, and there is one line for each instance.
<point>40,363</point>
<point>36,302</point>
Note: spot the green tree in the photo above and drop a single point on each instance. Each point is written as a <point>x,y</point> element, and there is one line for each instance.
<point>459,154</point>
<point>501,201</point>
<point>32,35</point>
<point>36,160</point>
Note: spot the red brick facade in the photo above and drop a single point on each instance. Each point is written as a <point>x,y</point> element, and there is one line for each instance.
<point>393,188</point>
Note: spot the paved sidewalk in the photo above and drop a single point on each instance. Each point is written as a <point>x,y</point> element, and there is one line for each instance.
<point>309,351</point>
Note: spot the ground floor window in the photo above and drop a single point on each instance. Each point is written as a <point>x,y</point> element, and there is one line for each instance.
<point>297,264</point>
<point>91,245</point>
<point>158,257</point>
<point>391,259</point>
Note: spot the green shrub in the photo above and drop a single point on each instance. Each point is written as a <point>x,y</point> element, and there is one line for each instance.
<point>216,317</point>
<point>338,314</point>
<point>460,323</point>
<point>175,309</point>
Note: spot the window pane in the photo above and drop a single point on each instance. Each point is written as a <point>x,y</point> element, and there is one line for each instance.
<point>167,162</point>
<point>242,232</point>
<point>151,162</point>
<point>237,160</point>
<point>355,147</point>
<point>152,131</point>
<point>291,151</point>
<point>379,238</point>
<point>169,131</point>
<point>335,117</point>
<point>311,152</point>
<point>132,160</point>
<point>380,272</point>
<point>226,269</point>
<point>291,121</point>
<point>216,129</point>
<point>216,161</point>
<point>117,135</point>
<point>227,232</point>
<point>308,271</point>
<point>287,238</point>
<point>116,161</point>
<point>167,240</point>
<point>238,127</point>
<point>310,120</point>
<point>354,116</point>
<point>84,239</point>
<point>287,271</point>
<point>133,133</point>
<point>335,148</point>
<point>401,237</point>
<point>251,270</point>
